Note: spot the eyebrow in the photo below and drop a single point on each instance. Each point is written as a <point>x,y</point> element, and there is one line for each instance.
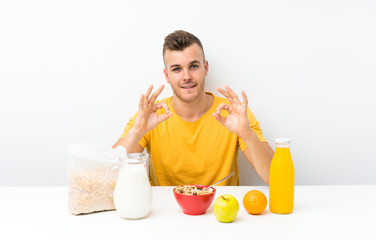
<point>177,65</point>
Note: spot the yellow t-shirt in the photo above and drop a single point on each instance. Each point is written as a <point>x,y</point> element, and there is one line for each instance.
<point>200,152</point>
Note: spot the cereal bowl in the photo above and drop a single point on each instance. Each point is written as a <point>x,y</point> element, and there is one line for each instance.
<point>194,204</point>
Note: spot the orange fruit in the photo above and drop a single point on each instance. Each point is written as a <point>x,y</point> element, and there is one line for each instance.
<point>254,202</point>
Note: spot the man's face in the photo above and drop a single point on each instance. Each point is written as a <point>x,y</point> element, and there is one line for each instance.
<point>185,71</point>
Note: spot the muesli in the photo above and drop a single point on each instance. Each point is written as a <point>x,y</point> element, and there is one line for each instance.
<point>193,190</point>
<point>87,191</point>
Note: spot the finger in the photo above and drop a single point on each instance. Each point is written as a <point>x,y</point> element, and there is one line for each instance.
<point>226,94</point>
<point>161,105</point>
<point>233,95</point>
<point>156,94</point>
<point>220,119</point>
<point>245,99</point>
<point>164,117</point>
<point>147,93</point>
<point>141,101</point>
<point>165,107</point>
<point>223,106</point>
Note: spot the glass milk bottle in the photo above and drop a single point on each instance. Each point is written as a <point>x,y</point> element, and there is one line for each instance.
<point>281,179</point>
<point>132,194</point>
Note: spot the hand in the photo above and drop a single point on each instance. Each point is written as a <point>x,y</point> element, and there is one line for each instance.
<point>147,117</point>
<point>237,120</point>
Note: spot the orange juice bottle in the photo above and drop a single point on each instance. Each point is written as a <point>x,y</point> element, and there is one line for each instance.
<point>281,179</point>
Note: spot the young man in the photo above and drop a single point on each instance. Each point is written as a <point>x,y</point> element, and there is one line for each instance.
<point>193,137</point>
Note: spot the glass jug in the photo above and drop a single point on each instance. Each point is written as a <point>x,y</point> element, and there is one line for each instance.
<point>132,194</point>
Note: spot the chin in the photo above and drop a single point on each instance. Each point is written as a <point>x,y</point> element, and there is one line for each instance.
<point>199,92</point>
<point>188,97</point>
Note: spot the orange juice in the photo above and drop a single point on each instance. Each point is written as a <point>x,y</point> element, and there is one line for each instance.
<point>281,179</point>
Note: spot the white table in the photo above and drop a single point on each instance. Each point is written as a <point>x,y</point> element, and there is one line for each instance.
<point>321,212</point>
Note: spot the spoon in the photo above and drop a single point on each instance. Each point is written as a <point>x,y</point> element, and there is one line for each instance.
<point>222,179</point>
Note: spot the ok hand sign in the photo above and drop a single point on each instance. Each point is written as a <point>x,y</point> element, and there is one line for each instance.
<point>237,120</point>
<point>147,117</point>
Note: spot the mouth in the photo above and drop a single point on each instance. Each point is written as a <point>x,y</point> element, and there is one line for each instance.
<point>189,86</point>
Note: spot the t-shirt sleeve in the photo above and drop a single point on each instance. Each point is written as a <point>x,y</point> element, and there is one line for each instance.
<point>130,124</point>
<point>255,126</point>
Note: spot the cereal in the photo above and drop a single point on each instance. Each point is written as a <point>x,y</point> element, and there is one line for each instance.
<point>87,191</point>
<point>193,190</point>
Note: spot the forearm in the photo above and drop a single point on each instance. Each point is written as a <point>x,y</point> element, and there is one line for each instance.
<point>130,141</point>
<point>258,154</point>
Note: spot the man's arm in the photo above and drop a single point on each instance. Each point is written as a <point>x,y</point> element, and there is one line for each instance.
<point>146,119</point>
<point>258,154</point>
<point>130,142</point>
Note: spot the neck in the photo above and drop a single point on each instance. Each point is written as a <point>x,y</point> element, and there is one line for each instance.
<point>192,111</point>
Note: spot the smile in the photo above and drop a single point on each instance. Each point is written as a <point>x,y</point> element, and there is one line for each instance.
<point>189,86</point>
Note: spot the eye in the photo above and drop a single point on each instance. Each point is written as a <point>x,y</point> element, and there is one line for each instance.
<point>176,69</point>
<point>194,66</point>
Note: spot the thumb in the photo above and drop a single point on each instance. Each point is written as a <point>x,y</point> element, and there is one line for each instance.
<point>164,116</point>
<point>219,118</point>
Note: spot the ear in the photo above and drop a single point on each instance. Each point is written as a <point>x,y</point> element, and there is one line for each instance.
<point>206,67</point>
<point>166,75</point>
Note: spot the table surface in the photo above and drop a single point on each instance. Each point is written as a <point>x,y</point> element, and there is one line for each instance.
<point>321,212</point>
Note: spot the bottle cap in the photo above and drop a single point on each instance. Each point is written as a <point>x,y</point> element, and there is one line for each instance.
<point>283,140</point>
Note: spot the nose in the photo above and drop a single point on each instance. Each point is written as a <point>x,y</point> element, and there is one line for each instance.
<point>187,75</point>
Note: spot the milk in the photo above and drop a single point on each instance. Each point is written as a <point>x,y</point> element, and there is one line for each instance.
<point>132,194</point>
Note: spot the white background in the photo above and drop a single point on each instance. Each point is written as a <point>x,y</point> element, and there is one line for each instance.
<point>72,71</point>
